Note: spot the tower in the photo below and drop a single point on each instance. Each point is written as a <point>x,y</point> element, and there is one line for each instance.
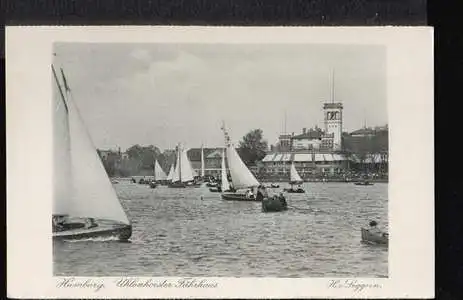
<point>333,119</point>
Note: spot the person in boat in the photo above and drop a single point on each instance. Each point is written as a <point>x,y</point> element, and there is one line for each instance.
<point>260,193</point>
<point>374,228</point>
<point>282,199</point>
<point>249,194</point>
<point>90,223</point>
<point>58,223</point>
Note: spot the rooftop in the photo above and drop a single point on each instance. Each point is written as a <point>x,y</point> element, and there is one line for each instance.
<point>332,105</point>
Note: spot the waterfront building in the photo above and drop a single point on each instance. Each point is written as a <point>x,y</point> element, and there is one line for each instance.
<point>327,151</point>
<point>212,160</point>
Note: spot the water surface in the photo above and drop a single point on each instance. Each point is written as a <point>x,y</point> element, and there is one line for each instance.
<point>192,232</point>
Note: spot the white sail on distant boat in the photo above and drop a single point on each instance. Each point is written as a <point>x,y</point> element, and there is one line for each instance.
<point>183,174</point>
<point>187,173</point>
<point>225,185</point>
<point>171,172</point>
<point>85,203</point>
<point>159,173</point>
<point>294,178</point>
<point>293,175</point>
<point>241,176</point>
<point>203,171</point>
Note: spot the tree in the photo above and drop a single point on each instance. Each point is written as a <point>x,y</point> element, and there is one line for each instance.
<point>252,147</point>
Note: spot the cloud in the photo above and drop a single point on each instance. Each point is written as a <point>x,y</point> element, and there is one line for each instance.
<point>164,94</point>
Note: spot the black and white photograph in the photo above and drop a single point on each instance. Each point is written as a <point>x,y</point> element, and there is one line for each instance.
<point>221,160</point>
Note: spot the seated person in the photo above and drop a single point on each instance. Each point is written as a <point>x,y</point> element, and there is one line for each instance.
<point>373,228</point>
<point>260,194</point>
<point>90,223</point>
<point>57,222</point>
<point>249,194</point>
<point>282,199</point>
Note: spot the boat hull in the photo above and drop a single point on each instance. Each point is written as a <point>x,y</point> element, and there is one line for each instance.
<point>373,238</point>
<point>177,185</point>
<point>298,191</point>
<point>363,183</point>
<point>273,205</point>
<point>237,197</point>
<point>122,232</point>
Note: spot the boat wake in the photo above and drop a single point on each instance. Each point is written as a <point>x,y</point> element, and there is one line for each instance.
<point>97,239</point>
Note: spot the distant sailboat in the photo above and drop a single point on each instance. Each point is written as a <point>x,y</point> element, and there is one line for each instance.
<point>224,185</point>
<point>294,178</point>
<point>85,204</point>
<point>159,175</point>
<point>242,178</point>
<point>203,171</point>
<point>183,173</point>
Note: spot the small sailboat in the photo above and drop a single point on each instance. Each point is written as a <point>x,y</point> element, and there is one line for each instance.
<point>224,184</point>
<point>85,204</point>
<point>159,175</point>
<point>241,177</point>
<point>183,173</point>
<point>294,179</point>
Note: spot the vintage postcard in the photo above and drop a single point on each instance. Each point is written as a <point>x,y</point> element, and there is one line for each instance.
<point>220,162</point>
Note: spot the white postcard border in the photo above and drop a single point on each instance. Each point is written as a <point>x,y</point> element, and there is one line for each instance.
<point>411,157</point>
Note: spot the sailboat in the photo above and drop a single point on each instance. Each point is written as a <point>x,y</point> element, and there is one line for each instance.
<point>241,177</point>
<point>203,171</point>
<point>224,184</point>
<point>182,175</point>
<point>85,204</point>
<point>159,175</point>
<point>294,178</point>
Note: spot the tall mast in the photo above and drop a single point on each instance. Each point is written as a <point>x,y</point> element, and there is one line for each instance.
<point>179,163</point>
<point>202,161</point>
<point>364,118</point>
<point>284,124</point>
<point>332,85</point>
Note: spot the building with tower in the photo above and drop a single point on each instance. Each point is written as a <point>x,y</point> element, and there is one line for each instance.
<point>333,125</point>
<point>315,150</point>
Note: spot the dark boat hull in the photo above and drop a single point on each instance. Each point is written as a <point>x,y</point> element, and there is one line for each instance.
<point>373,238</point>
<point>215,190</point>
<point>273,205</point>
<point>177,185</point>
<point>237,197</point>
<point>298,191</point>
<point>122,232</point>
<point>363,183</point>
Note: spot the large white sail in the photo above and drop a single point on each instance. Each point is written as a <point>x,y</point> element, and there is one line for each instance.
<point>61,150</point>
<point>294,176</point>
<point>202,162</point>
<point>225,184</point>
<point>240,174</point>
<point>186,169</point>
<point>158,172</point>
<point>92,193</point>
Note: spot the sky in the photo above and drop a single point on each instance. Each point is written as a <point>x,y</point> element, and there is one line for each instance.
<point>163,94</point>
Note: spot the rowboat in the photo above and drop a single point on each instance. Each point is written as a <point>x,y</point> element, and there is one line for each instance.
<point>369,237</point>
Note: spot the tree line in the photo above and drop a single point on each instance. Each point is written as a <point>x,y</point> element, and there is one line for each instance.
<point>140,160</point>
